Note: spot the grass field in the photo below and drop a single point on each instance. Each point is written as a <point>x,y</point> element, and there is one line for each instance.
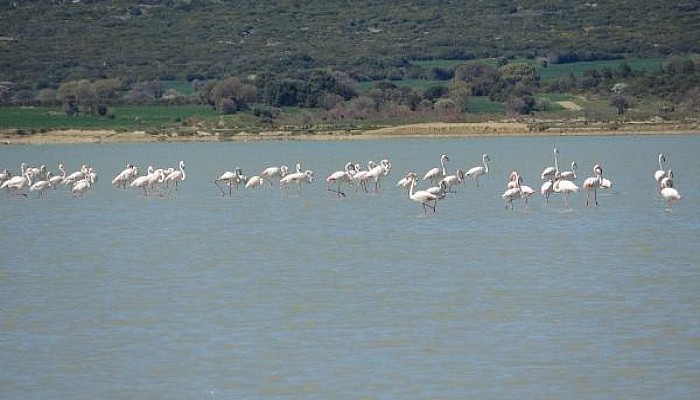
<point>123,117</point>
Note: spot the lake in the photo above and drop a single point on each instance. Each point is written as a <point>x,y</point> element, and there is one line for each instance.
<point>273,294</point>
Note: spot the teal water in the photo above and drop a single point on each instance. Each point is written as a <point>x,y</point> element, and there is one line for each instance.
<point>268,294</point>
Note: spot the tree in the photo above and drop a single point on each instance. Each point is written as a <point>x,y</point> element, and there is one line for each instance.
<point>231,95</point>
<point>87,97</point>
<point>519,73</point>
<point>620,102</point>
<point>460,95</point>
<point>520,101</point>
<point>435,92</point>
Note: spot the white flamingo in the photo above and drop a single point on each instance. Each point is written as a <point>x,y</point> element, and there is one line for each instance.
<point>547,189</point>
<point>591,184</point>
<point>551,172</point>
<point>274,173</point>
<point>40,186</point>
<point>75,176</point>
<point>55,180</point>
<point>422,196</point>
<point>254,182</point>
<point>569,175</point>
<point>298,178</point>
<point>453,180</point>
<point>36,172</point>
<point>436,174</point>
<point>565,187</point>
<point>148,181</point>
<point>525,191</point>
<point>440,190</point>
<point>17,185</point>
<point>125,176</point>
<point>338,178</point>
<point>476,172</point>
<point>660,173</point>
<point>10,180</point>
<point>5,175</point>
<point>176,176</point>
<point>668,192</point>
<point>379,171</point>
<point>82,186</point>
<point>231,178</point>
<point>363,176</point>
<point>513,192</point>
<point>404,183</point>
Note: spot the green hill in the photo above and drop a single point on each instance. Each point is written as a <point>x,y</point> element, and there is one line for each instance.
<point>44,43</point>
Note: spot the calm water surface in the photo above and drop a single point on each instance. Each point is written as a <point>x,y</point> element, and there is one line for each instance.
<point>273,295</point>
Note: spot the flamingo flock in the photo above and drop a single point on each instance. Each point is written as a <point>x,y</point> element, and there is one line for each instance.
<point>155,182</point>
<point>165,181</point>
<point>37,180</point>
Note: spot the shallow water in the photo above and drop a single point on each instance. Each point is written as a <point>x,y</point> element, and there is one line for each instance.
<point>268,294</point>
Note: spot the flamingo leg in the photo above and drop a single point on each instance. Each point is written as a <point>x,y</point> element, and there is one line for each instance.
<point>216,182</point>
<point>595,196</point>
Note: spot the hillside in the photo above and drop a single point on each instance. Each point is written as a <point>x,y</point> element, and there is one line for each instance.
<point>44,43</point>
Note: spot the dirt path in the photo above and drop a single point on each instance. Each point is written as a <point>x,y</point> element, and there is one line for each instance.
<point>569,105</point>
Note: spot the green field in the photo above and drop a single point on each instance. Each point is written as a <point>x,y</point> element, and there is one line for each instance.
<point>123,117</point>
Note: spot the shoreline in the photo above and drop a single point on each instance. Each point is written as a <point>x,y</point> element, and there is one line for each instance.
<point>421,130</point>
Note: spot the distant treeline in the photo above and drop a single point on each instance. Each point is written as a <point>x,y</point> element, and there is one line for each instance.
<point>516,84</point>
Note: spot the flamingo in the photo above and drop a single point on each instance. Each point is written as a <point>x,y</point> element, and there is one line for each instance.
<point>422,196</point>
<point>298,178</point>
<point>551,172</point>
<point>231,178</point>
<point>592,184</point>
<point>453,180</point>
<point>82,186</point>
<point>605,183</point>
<point>379,171</point>
<point>92,174</point>
<point>565,187</point>
<point>547,189</point>
<point>525,191</point>
<point>660,173</point>
<point>5,175</point>
<point>274,172</point>
<point>569,175</point>
<point>254,181</point>
<point>12,181</point>
<point>668,192</point>
<point>363,176</point>
<point>125,176</point>
<point>436,174</point>
<point>404,183</point>
<point>55,180</point>
<point>476,172</point>
<point>440,190</point>
<point>667,181</point>
<point>36,171</point>
<point>339,177</point>
<point>75,176</point>
<point>140,182</point>
<point>18,184</point>
<point>40,186</point>
<point>176,176</point>
<point>148,181</point>
<point>512,193</point>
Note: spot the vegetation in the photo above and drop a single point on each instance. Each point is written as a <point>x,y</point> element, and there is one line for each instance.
<point>166,64</point>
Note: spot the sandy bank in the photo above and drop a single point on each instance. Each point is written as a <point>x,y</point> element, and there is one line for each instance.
<point>427,130</point>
